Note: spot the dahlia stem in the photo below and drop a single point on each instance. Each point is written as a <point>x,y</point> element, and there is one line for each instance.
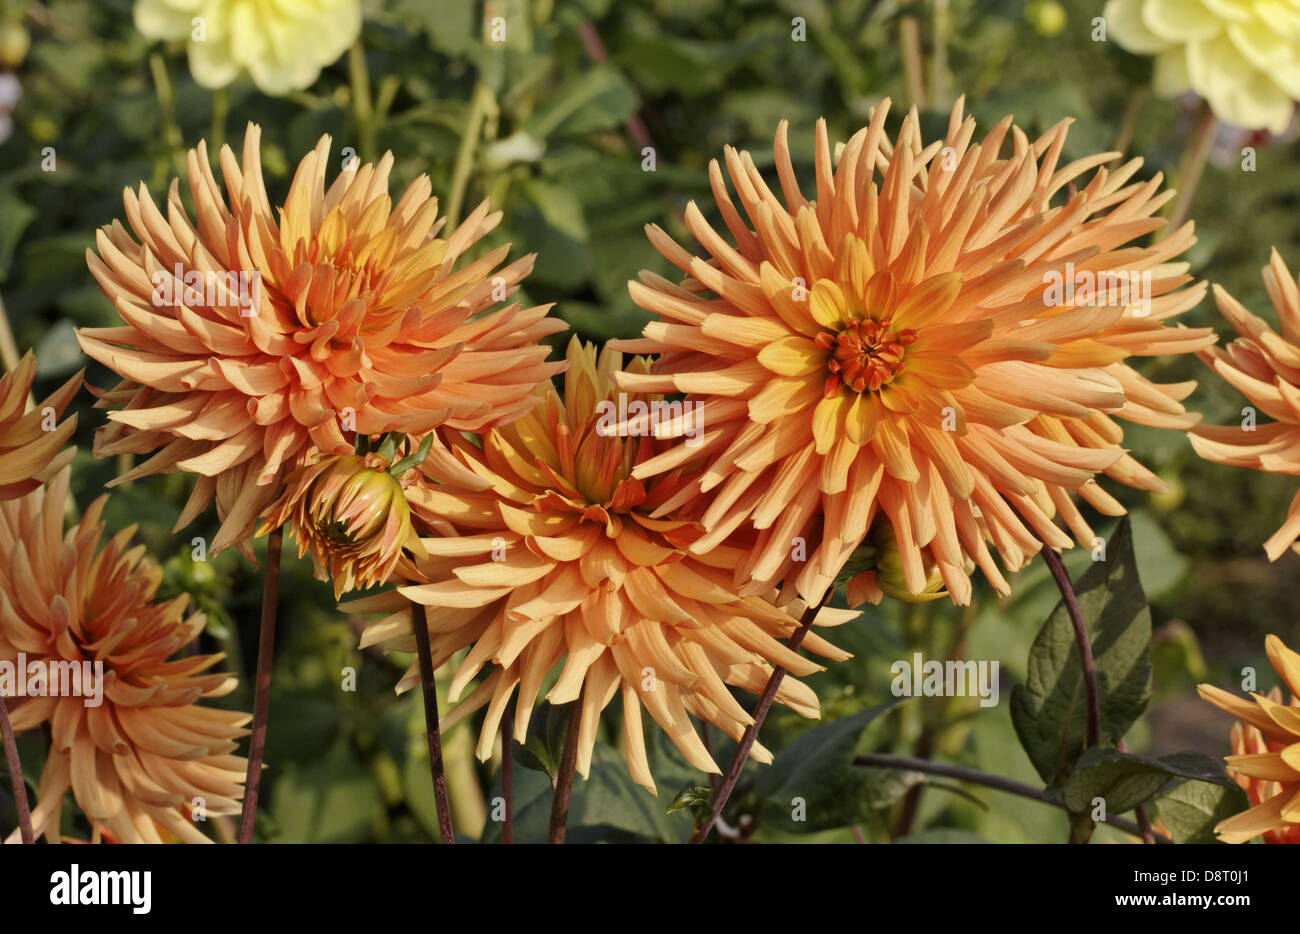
<point>1144,823</point>
<point>760,714</point>
<point>706,736</point>
<point>1082,825</point>
<point>217,135</point>
<point>167,108</point>
<point>996,782</point>
<point>1191,166</point>
<point>909,37</point>
<point>1128,123</point>
<point>420,627</point>
<point>8,346</point>
<point>478,108</point>
<point>262,687</point>
<point>564,777</point>
<point>507,775</point>
<point>362,111</point>
<point>939,61</point>
<point>16,775</point>
<point>1057,567</point>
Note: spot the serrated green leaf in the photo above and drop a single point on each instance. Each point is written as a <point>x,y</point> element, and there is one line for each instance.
<point>598,98</point>
<point>1191,810</point>
<point>814,778</point>
<point>1125,780</point>
<point>1122,781</point>
<point>1049,710</point>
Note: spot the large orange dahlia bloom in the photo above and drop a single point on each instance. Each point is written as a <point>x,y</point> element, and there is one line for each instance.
<point>1265,367</point>
<point>1266,759</point>
<point>131,741</point>
<point>251,333</point>
<point>941,331</point>
<point>32,443</point>
<point>548,554</point>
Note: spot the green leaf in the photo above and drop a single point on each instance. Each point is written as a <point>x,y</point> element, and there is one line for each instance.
<point>559,206</point>
<point>1191,810</point>
<point>814,778</point>
<point>544,747</point>
<point>413,459</point>
<point>1122,780</point>
<point>15,215</point>
<point>597,98</point>
<point>332,800</point>
<point>1050,709</point>
<point>697,799</point>
<point>607,801</point>
<point>58,353</point>
<point>1125,780</point>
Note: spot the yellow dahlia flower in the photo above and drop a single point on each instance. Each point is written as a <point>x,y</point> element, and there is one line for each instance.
<point>548,555</point>
<point>1242,56</point>
<point>1265,367</point>
<point>350,512</point>
<point>32,444</point>
<point>131,743</point>
<point>1266,754</point>
<point>246,339</point>
<point>281,44</point>
<point>915,351</point>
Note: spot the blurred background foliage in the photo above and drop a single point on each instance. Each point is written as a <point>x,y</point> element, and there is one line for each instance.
<point>553,127</point>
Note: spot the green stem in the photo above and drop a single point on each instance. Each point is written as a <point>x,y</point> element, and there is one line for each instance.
<point>171,133</point>
<point>217,135</point>
<point>1191,167</point>
<point>420,629</point>
<point>996,782</point>
<point>262,686</point>
<point>564,776</point>
<point>939,62</point>
<point>8,346</point>
<point>909,36</point>
<point>16,775</point>
<point>507,774</point>
<point>362,108</point>
<point>478,108</point>
<point>1128,123</point>
<point>760,714</point>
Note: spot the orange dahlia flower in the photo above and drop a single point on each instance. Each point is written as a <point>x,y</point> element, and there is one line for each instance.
<point>930,338</point>
<point>250,334</point>
<point>129,738</point>
<point>1266,754</point>
<point>551,556</point>
<point>351,513</point>
<point>1265,367</point>
<point>32,444</point>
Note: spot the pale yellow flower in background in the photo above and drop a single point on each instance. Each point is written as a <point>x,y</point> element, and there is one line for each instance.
<point>281,44</point>
<point>1242,56</point>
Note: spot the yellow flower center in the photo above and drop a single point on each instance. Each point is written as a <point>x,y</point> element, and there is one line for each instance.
<point>865,355</point>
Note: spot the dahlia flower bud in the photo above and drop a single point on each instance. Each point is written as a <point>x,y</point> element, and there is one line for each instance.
<point>886,576</point>
<point>350,512</point>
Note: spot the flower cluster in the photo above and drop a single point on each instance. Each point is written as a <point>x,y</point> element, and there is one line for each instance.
<point>920,371</point>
